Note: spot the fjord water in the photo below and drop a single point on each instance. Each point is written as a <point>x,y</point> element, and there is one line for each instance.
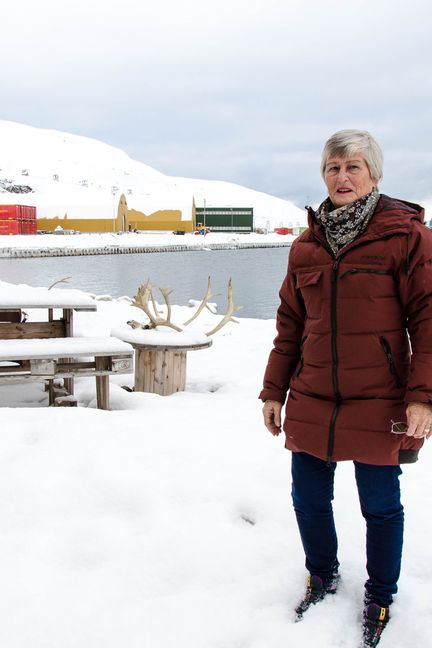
<point>256,275</point>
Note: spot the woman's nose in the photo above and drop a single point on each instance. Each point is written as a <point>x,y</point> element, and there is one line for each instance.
<point>342,175</point>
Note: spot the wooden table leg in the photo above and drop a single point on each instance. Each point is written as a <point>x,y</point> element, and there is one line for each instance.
<point>160,371</point>
<point>102,383</point>
<point>68,324</point>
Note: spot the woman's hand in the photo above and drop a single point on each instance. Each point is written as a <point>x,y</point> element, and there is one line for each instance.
<point>272,416</point>
<point>419,419</point>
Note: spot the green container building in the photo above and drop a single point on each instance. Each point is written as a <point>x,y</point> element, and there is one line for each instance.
<point>225,219</point>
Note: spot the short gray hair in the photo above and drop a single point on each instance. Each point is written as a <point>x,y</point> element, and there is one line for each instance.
<point>346,143</point>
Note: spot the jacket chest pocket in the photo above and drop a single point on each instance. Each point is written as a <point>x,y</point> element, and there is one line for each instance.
<point>310,285</point>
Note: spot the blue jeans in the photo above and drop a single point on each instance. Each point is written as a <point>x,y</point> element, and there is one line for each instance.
<point>379,494</point>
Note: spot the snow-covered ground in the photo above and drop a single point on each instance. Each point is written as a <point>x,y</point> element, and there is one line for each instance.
<point>167,521</point>
<point>142,239</point>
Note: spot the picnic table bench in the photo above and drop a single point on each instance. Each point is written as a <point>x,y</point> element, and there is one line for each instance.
<point>30,359</point>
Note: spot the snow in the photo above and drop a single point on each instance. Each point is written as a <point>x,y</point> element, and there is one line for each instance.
<point>142,239</point>
<point>167,521</point>
<point>161,336</point>
<point>23,296</point>
<point>56,347</point>
<point>84,178</point>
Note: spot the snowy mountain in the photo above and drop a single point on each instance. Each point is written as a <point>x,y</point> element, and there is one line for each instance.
<point>62,174</point>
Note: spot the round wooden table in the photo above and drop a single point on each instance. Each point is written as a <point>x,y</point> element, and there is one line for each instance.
<point>162,369</point>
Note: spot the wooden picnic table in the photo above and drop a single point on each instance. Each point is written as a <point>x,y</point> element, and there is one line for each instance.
<point>20,297</point>
<point>24,355</point>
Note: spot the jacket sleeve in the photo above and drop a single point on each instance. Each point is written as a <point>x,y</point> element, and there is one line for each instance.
<point>416,295</point>
<point>285,354</point>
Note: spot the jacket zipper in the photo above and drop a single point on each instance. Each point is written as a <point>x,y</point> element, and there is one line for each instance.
<point>335,380</point>
<point>366,270</point>
<point>335,360</point>
<point>390,358</point>
<point>330,446</point>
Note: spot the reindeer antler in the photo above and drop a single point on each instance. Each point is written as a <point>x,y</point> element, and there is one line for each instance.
<point>64,280</point>
<point>145,294</point>
<point>229,312</point>
<point>141,300</point>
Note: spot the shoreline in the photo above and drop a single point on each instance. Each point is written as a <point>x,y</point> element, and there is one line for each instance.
<point>15,252</point>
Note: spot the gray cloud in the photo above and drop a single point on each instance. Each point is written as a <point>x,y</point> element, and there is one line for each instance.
<point>240,91</point>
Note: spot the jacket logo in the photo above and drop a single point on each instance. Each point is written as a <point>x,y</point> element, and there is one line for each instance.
<point>377,258</point>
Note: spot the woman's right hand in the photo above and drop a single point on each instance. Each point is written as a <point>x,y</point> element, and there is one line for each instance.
<point>272,416</point>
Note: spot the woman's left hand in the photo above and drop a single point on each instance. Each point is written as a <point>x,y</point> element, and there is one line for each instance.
<point>419,419</point>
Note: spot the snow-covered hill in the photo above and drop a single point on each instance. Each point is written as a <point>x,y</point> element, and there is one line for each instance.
<point>82,177</point>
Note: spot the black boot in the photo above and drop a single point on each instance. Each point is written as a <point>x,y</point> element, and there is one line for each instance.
<point>375,619</point>
<point>316,590</point>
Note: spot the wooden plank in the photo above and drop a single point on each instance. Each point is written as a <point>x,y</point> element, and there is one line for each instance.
<point>67,367</point>
<point>65,401</point>
<point>174,347</point>
<point>158,372</point>
<point>149,372</point>
<point>102,383</point>
<point>30,330</point>
<point>68,324</point>
<point>140,361</point>
<point>20,376</point>
<point>176,372</point>
<point>169,380</point>
<point>183,363</point>
<point>14,315</point>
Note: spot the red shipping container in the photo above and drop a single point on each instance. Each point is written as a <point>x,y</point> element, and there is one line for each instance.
<point>17,211</point>
<point>24,217</point>
<point>9,227</point>
<point>8,212</point>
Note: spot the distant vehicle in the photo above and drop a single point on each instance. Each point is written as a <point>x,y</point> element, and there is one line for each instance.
<point>201,229</point>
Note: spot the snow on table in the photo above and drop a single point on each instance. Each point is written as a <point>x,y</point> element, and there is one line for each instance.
<point>24,296</point>
<point>162,336</point>
<point>29,349</point>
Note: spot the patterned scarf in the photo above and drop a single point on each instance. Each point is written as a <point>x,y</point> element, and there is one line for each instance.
<point>344,224</point>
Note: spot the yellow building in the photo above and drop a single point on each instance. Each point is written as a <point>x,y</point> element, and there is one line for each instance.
<point>173,220</point>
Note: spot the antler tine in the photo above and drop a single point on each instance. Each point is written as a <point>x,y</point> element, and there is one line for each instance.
<point>203,304</point>
<point>64,280</point>
<point>165,292</point>
<point>141,300</point>
<point>229,312</point>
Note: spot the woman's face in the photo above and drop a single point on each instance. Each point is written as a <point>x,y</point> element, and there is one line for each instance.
<point>347,179</point>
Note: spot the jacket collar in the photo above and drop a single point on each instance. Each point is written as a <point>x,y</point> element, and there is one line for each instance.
<point>391,216</point>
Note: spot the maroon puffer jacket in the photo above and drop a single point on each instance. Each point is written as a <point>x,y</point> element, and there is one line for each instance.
<point>342,348</point>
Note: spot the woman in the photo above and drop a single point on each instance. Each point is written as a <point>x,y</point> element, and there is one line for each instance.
<point>359,282</point>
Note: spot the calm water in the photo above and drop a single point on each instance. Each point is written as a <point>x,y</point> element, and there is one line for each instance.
<point>256,275</point>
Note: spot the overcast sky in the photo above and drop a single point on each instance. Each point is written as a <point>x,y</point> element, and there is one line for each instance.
<point>239,90</point>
